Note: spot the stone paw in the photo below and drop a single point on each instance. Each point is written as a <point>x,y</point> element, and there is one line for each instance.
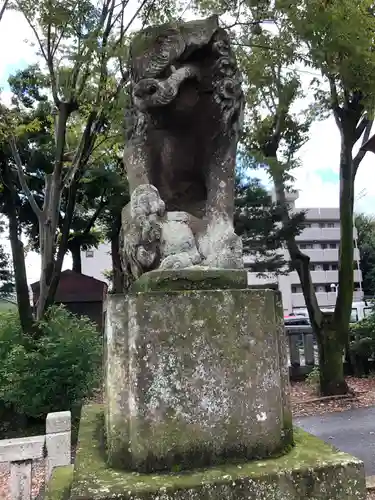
<point>220,246</point>
<point>180,261</point>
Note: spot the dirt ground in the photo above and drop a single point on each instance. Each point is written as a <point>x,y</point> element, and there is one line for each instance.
<point>362,394</point>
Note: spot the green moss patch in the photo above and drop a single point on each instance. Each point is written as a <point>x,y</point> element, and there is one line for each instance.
<point>58,487</point>
<point>191,279</point>
<point>312,470</point>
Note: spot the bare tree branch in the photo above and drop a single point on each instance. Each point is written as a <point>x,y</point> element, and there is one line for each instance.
<point>22,178</point>
<point>46,55</point>
<point>136,14</point>
<point>335,101</point>
<point>3,8</point>
<point>361,128</point>
<point>361,153</point>
<point>99,209</point>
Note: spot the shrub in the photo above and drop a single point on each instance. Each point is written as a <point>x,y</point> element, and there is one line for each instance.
<point>313,378</point>
<point>362,344</point>
<point>54,373</point>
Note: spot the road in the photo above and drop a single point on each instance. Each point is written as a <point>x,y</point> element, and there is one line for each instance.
<point>351,431</point>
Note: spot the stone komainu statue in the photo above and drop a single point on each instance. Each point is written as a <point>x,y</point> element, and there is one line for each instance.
<point>183,125</point>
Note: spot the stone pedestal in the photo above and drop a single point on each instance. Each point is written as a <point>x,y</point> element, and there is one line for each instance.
<point>195,377</point>
<point>311,470</point>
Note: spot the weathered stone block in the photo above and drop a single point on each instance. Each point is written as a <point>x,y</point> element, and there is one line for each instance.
<point>193,278</point>
<point>195,378</point>
<point>312,470</point>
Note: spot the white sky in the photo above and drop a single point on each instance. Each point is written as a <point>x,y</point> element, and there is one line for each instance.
<point>316,179</point>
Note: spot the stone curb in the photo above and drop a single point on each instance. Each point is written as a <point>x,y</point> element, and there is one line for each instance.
<point>370,483</point>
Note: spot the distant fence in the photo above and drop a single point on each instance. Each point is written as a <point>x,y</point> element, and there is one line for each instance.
<point>54,447</point>
<point>303,352</point>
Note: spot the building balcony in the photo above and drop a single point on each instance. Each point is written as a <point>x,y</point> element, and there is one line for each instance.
<point>323,214</point>
<point>318,255</point>
<point>328,255</point>
<point>324,277</point>
<point>324,299</point>
<point>322,234</point>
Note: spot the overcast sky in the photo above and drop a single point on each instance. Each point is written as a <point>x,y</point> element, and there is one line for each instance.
<point>317,179</point>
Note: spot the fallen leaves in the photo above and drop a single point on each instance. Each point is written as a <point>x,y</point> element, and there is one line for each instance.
<point>362,395</point>
<point>38,475</point>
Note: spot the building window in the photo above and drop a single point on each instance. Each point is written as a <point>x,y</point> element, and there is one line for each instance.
<point>321,225</point>
<point>334,267</point>
<point>331,224</point>
<point>294,289</point>
<point>312,267</point>
<point>304,246</point>
<point>328,288</point>
<point>333,245</point>
<point>307,225</point>
<point>323,246</point>
<point>325,267</point>
<point>89,253</point>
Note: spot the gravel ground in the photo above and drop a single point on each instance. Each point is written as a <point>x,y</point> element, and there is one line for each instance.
<point>37,479</point>
<point>362,394</point>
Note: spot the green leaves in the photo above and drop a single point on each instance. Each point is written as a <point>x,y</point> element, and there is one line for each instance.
<point>339,39</point>
<point>60,370</point>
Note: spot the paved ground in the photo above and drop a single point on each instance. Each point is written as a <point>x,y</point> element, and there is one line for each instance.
<point>352,431</point>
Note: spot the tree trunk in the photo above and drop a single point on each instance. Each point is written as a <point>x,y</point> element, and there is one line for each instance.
<point>47,252</point>
<point>19,267</point>
<point>48,220</point>
<point>18,255</point>
<point>75,250</point>
<point>346,279</point>
<point>331,365</point>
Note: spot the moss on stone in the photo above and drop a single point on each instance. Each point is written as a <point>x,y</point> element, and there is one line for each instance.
<point>191,279</point>
<point>58,487</point>
<point>312,470</point>
<point>193,450</point>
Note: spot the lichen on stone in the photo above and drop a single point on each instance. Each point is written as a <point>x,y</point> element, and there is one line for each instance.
<point>202,383</point>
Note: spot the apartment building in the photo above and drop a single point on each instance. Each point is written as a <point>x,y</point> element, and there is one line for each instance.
<point>319,240</point>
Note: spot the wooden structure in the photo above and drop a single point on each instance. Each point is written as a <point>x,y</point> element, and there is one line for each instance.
<point>80,294</point>
<point>54,447</point>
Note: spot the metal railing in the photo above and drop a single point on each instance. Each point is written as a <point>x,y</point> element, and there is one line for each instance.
<point>54,447</point>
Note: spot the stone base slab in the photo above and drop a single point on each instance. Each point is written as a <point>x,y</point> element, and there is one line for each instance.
<point>193,278</point>
<point>311,470</point>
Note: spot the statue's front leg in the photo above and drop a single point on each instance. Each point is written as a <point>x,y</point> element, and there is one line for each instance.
<point>219,244</point>
<point>142,217</point>
<point>141,231</point>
